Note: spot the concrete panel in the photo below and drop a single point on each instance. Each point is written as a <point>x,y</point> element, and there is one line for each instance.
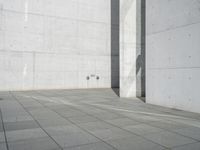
<point>93,30</point>
<point>92,46</point>
<point>13,5</point>
<point>55,62</point>
<point>61,26</point>
<point>58,44</point>
<point>173,54</point>
<point>46,80</point>
<point>95,11</point>
<point>2,43</point>
<point>175,48</point>
<point>16,70</point>
<point>70,12</point>
<point>174,88</point>
<point>175,13</point>
<point>18,22</point>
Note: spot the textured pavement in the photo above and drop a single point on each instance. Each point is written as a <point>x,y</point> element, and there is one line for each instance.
<point>95,119</point>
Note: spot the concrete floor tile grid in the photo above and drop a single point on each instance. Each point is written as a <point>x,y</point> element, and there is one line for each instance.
<point>92,119</point>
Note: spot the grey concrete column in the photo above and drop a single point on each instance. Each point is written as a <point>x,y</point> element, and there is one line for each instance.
<point>132,54</point>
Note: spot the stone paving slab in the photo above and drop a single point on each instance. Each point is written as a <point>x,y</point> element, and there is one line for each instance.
<point>18,135</point>
<point>82,119</point>
<point>75,139</point>
<point>135,143</point>
<point>111,133</point>
<point>169,139</point>
<point>93,146</point>
<point>122,122</point>
<point>193,146</point>
<point>192,132</point>
<point>3,146</point>
<point>20,125</point>
<point>142,129</point>
<point>2,137</point>
<point>44,143</point>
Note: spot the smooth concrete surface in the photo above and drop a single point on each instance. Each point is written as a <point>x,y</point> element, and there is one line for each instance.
<point>128,46</point>
<point>56,44</point>
<point>92,120</point>
<point>172,53</point>
<point>132,49</point>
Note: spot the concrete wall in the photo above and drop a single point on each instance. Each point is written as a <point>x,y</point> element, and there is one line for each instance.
<point>132,56</point>
<point>173,53</point>
<point>49,44</point>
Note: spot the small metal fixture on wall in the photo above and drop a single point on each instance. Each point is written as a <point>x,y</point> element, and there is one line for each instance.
<point>97,78</point>
<point>93,76</point>
<point>87,78</point>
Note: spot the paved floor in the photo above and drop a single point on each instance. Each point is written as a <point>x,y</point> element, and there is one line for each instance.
<point>92,120</point>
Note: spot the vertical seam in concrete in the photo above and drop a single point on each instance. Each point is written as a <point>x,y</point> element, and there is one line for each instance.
<point>33,84</point>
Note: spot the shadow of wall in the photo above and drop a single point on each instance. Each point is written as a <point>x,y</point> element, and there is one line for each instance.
<point>140,50</point>
<point>114,43</point>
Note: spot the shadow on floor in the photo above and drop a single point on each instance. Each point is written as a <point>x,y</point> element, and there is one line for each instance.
<point>116,91</point>
<point>142,99</point>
